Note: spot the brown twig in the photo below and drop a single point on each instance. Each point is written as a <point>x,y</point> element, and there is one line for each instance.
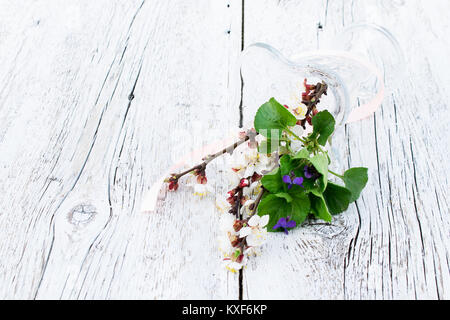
<point>208,159</point>
<point>254,205</point>
<point>318,90</point>
<point>238,204</point>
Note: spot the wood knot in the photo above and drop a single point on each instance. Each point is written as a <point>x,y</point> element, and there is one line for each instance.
<point>82,214</point>
<point>325,229</point>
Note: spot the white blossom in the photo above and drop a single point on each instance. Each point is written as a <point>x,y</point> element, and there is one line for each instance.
<point>296,144</point>
<point>294,101</point>
<point>222,205</point>
<point>252,189</point>
<point>256,232</point>
<point>233,266</point>
<point>201,190</point>
<point>226,222</point>
<point>246,161</point>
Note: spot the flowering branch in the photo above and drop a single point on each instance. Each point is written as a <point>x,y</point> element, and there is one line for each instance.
<point>291,170</point>
<point>311,97</point>
<point>199,170</point>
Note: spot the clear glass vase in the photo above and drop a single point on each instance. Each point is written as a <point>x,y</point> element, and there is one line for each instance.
<point>353,64</point>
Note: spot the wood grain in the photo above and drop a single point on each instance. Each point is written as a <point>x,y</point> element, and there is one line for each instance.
<point>94,97</point>
<point>393,242</point>
<point>89,94</point>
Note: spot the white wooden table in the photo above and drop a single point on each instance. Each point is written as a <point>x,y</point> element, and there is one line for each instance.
<point>90,90</point>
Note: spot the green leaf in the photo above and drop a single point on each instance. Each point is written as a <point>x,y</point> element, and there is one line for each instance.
<point>320,162</point>
<point>277,208</point>
<point>308,184</point>
<point>300,207</point>
<point>355,180</point>
<point>283,150</point>
<point>319,207</point>
<point>284,195</point>
<point>269,145</point>
<point>286,165</point>
<point>302,154</point>
<point>316,192</point>
<point>272,181</point>
<point>336,197</point>
<point>289,164</point>
<point>273,116</point>
<point>323,126</point>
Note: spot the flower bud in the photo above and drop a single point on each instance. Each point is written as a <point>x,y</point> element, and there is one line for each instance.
<point>256,177</point>
<point>173,185</point>
<point>201,179</point>
<point>244,183</point>
<point>238,225</point>
<point>234,240</point>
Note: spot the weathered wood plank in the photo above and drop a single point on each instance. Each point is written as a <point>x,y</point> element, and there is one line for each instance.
<point>393,243</point>
<point>88,95</point>
<point>84,92</point>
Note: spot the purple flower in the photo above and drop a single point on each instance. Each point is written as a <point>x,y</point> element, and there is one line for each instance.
<point>285,223</point>
<point>292,179</point>
<point>310,172</point>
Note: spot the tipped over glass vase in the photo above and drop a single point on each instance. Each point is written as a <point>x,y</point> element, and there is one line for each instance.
<point>359,65</point>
